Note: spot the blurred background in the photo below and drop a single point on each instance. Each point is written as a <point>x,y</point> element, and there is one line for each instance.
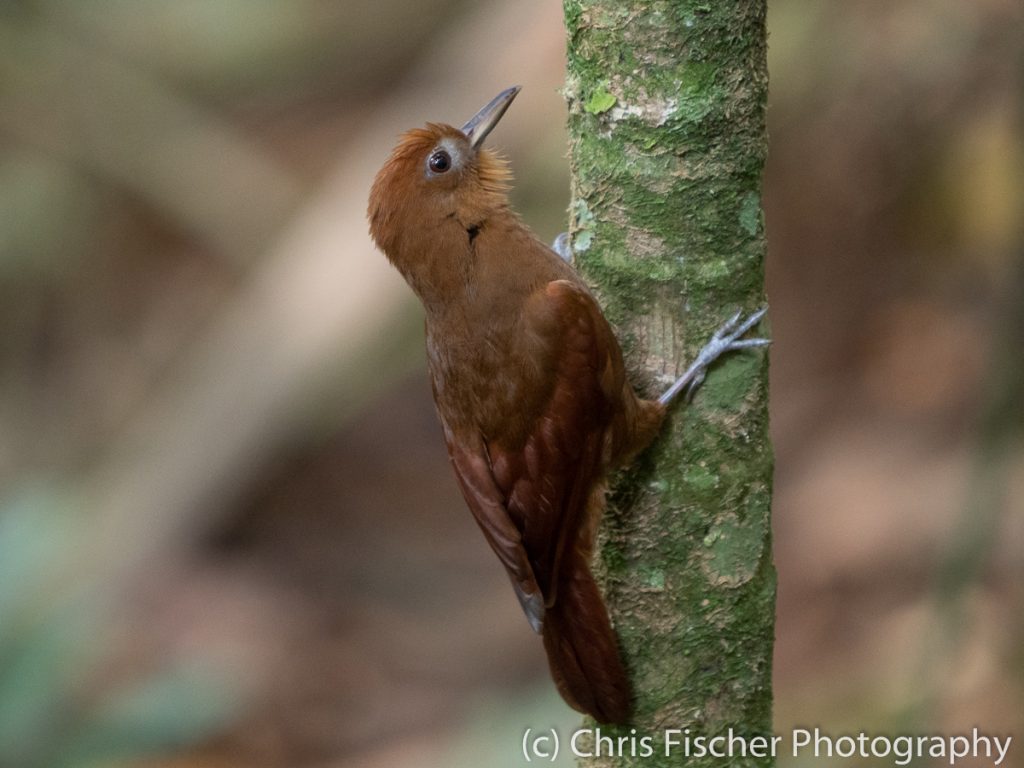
<point>229,535</point>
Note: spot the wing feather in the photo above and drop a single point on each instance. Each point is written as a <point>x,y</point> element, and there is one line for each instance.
<point>531,497</point>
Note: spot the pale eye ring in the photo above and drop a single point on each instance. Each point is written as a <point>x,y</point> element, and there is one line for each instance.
<point>440,161</point>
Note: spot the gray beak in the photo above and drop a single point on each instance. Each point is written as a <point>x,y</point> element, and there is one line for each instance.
<point>482,122</point>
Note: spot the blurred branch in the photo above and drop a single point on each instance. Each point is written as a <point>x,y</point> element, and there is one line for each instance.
<point>1000,432</point>
<point>986,508</point>
<point>114,120</point>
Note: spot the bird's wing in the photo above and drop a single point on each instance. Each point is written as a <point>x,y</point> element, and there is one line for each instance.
<point>487,502</point>
<point>531,499</point>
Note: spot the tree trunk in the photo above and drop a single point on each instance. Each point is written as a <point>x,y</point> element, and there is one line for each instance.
<point>667,136</point>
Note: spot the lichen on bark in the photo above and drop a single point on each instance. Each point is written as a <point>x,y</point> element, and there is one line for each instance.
<point>667,145</point>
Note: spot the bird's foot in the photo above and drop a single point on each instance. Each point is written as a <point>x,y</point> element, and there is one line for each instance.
<point>563,247</point>
<point>725,339</point>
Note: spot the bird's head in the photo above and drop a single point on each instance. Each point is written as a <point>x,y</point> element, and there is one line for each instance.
<point>437,179</point>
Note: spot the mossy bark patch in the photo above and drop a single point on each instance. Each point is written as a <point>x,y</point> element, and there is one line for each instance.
<point>667,145</point>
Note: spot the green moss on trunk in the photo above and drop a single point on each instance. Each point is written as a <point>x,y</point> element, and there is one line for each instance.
<point>667,135</point>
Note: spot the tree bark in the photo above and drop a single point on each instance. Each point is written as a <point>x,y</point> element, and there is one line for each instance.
<point>667,143</point>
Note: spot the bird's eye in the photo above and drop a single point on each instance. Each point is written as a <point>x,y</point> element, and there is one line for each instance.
<point>440,161</point>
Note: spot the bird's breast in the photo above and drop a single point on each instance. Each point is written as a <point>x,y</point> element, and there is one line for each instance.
<point>487,379</point>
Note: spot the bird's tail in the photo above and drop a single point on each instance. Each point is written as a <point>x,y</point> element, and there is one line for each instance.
<point>583,650</point>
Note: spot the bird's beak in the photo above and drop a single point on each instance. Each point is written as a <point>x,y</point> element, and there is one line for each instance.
<point>482,122</point>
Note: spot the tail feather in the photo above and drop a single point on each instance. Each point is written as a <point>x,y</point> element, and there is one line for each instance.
<point>583,651</point>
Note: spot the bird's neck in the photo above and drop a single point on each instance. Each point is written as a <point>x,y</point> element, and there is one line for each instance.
<point>437,265</point>
<point>456,260</point>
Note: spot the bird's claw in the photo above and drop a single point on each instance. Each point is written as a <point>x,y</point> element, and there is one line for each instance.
<point>694,385</point>
<point>726,339</point>
<point>562,245</point>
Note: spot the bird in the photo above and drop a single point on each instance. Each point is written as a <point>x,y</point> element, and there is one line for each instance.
<point>529,385</point>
